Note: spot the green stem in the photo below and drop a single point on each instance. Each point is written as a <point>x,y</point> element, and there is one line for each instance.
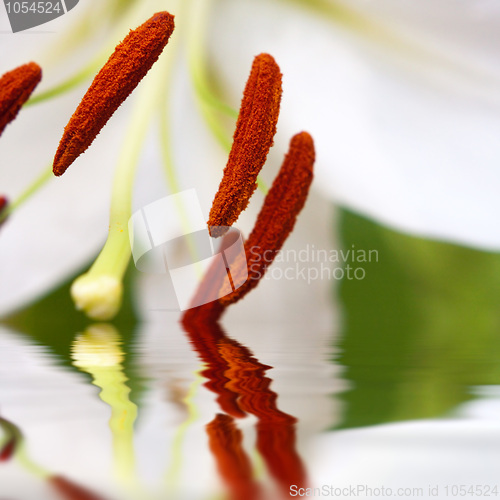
<point>164,122</point>
<point>115,255</point>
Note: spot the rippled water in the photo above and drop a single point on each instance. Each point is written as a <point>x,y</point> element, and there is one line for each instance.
<point>175,415</point>
<point>181,416</point>
<point>399,397</point>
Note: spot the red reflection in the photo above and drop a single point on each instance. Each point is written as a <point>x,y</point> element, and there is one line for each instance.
<point>205,341</point>
<point>276,443</point>
<point>4,202</point>
<point>247,378</point>
<point>275,429</point>
<point>242,388</point>
<point>68,490</point>
<point>239,380</point>
<point>8,450</point>
<point>225,441</point>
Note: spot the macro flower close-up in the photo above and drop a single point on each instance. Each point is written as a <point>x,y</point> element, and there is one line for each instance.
<point>249,249</point>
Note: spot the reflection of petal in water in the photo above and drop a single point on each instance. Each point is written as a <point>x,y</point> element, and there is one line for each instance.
<point>68,490</point>
<point>4,202</point>
<point>234,466</point>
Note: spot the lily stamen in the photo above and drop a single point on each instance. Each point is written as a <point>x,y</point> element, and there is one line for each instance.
<point>99,291</point>
<point>277,217</point>
<point>282,204</point>
<point>126,67</point>
<point>16,86</point>
<point>253,137</point>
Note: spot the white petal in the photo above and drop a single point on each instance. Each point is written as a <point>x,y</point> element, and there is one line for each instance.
<point>415,454</point>
<point>410,143</point>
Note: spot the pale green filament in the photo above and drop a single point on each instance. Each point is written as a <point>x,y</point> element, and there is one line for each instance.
<point>69,84</point>
<point>98,352</point>
<point>206,99</point>
<point>209,104</point>
<point>98,292</point>
<point>28,192</point>
<point>166,150</point>
<point>25,461</point>
<point>173,473</point>
<point>119,29</point>
<point>171,175</point>
<point>408,49</point>
<point>163,101</point>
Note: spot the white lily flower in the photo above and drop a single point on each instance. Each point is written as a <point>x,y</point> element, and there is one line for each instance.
<point>61,227</point>
<point>400,99</point>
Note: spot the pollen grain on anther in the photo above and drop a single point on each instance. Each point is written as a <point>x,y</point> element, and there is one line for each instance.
<point>277,216</point>
<point>16,86</point>
<point>253,137</point>
<point>121,74</point>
